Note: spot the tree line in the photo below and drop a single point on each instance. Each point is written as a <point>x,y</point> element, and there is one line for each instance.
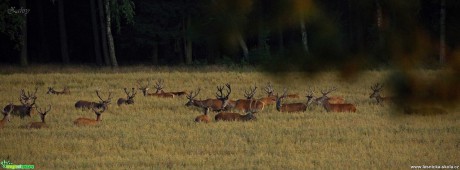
<point>307,34</point>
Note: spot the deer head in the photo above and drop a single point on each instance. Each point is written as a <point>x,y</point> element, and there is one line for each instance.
<point>159,86</point>
<point>220,95</point>
<point>6,112</point>
<point>29,98</point>
<point>191,97</point>
<point>250,94</point>
<point>323,98</point>
<point>309,96</point>
<point>130,95</point>
<point>143,88</point>
<point>43,112</point>
<point>269,89</point>
<point>104,103</point>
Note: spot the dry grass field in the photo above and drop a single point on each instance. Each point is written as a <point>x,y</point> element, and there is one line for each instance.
<point>157,133</point>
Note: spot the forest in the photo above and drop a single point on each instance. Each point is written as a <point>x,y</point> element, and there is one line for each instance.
<point>306,35</point>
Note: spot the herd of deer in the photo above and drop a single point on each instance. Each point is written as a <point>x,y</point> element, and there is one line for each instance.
<point>221,104</point>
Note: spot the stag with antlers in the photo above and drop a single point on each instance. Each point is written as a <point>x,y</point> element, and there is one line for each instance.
<point>376,94</point>
<point>82,104</point>
<point>331,100</point>
<point>293,107</point>
<point>27,101</point>
<point>42,124</point>
<point>129,99</point>
<point>342,107</point>
<point>244,105</point>
<point>215,104</point>
<point>228,116</point>
<point>159,89</point>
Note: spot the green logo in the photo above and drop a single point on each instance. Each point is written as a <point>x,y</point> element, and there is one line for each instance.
<point>8,165</point>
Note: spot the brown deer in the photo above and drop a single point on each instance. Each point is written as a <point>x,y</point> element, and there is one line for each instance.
<point>376,94</point>
<point>228,116</point>
<point>331,100</point>
<point>244,105</point>
<point>6,116</point>
<point>27,101</point>
<point>42,124</point>
<point>82,104</point>
<point>343,107</point>
<point>159,90</point>
<point>215,104</point>
<point>52,91</point>
<point>129,99</point>
<point>203,118</point>
<point>293,107</point>
<point>90,122</point>
<point>270,99</point>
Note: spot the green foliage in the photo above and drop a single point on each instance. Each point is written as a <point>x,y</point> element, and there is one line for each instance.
<point>11,23</point>
<point>122,9</point>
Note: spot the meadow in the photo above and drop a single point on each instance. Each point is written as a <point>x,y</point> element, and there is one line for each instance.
<point>158,133</point>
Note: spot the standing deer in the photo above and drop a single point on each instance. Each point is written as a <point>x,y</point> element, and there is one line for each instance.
<point>27,101</point>
<point>159,89</point>
<point>228,116</point>
<point>91,122</point>
<point>42,124</point>
<point>215,104</point>
<point>52,91</point>
<point>203,118</point>
<point>293,107</point>
<point>82,104</point>
<point>244,105</point>
<point>129,99</point>
<point>343,107</point>
<point>376,94</point>
<point>6,116</point>
<point>331,100</point>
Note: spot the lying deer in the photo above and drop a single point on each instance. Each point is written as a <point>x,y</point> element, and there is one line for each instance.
<point>215,104</point>
<point>343,107</point>
<point>82,104</point>
<point>159,89</point>
<point>129,99</point>
<point>293,107</point>
<point>52,91</point>
<point>376,94</point>
<point>90,122</point>
<point>332,99</point>
<point>6,116</point>
<point>270,99</point>
<point>203,118</point>
<point>42,124</point>
<point>228,116</point>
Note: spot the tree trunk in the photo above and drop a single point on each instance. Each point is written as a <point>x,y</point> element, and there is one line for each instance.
<point>243,46</point>
<point>63,33</point>
<point>379,15</point>
<point>44,51</point>
<point>442,48</point>
<point>155,54</point>
<point>304,34</point>
<point>24,61</point>
<point>113,58</point>
<point>96,38</point>
<point>105,51</point>
<point>188,42</point>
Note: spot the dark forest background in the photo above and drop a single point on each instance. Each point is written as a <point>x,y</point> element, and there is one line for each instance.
<point>307,34</point>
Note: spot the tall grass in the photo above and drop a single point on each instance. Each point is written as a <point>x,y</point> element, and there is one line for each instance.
<point>160,133</point>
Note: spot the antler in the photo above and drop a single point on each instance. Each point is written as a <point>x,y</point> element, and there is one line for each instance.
<point>220,88</point>
<point>97,93</point>
<point>377,87</point>
<point>192,96</point>
<point>269,89</point>
<point>126,91</point>
<point>133,92</point>
<point>328,91</point>
<point>43,112</point>
<point>250,94</point>
<point>159,85</point>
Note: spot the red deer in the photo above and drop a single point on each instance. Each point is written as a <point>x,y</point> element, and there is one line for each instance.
<point>293,107</point>
<point>159,90</point>
<point>228,116</point>
<point>376,94</point>
<point>88,105</point>
<point>270,99</point>
<point>42,124</point>
<point>215,104</point>
<point>245,104</point>
<point>129,99</point>
<point>331,100</point>
<point>6,116</point>
<point>52,91</point>
<point>344,107</point>
<point>91,122</point>
<point>27,101</point>
<point>203,118</point>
